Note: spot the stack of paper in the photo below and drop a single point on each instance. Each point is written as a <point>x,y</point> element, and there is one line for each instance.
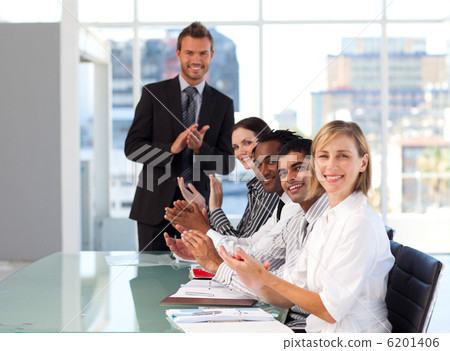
<point>200,315</point>
<point>207,288</point>
<point>207,292</point>
<point>219,320</point>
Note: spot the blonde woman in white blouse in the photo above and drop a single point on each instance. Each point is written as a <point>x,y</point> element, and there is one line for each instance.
<point>341,274</point>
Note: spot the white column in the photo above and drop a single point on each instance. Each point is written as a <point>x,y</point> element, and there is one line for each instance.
<point>102,140</point>
<point>70,128</point>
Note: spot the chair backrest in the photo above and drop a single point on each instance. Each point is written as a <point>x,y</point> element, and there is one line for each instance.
<point>390,232</point>
<point>411,291</point>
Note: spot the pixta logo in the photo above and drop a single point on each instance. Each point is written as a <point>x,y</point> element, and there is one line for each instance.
<point>158,158</point>
<point>153,157</point>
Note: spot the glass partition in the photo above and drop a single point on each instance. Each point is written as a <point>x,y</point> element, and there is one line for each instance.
<point>299,65</point>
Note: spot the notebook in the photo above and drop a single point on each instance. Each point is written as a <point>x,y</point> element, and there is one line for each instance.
<point>207,292</point>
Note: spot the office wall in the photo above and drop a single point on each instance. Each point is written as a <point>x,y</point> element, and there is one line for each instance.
<point>31,140</point>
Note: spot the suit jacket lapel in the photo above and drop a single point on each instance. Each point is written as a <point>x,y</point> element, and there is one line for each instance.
<point>174,104</point>
<point>208,103</point>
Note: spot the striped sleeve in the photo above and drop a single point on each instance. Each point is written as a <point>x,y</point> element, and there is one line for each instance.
<point>259,209</point>
<point>227,277</point>
<point>220,223</point>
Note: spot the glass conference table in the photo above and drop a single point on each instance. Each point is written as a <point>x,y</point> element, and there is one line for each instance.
<point>80,292</point>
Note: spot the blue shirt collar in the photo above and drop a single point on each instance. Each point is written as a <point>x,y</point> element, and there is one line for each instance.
<point>199,87</point>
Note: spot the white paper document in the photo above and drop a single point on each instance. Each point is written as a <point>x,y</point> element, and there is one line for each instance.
<point>207,289</point>
<point>226,320</point>
<point>141,260</point>
<point>236,327</point>
<point>199,315</point>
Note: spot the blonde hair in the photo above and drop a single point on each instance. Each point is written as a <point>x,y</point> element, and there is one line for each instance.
<point>330,131</point>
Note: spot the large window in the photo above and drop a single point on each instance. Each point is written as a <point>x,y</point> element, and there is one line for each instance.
<point>299,65</point>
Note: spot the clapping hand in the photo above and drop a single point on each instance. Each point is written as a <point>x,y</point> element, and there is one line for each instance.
<point>178,247</point>
<point>181,141</point>
<point>195,138</point>
<point>188,216</point>
<point>216,194</point>
<point>248,269</point>
<point>191,194</point>
<point>203,249</point>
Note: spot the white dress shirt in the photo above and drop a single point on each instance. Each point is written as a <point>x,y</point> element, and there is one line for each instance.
<point>265,233</point>
<point>283,247</point>
<point>347,259</point>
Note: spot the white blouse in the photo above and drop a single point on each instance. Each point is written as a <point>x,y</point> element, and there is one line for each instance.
<point>347,259</point>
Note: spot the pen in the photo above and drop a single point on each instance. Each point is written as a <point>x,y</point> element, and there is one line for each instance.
<point>206,313</point>
<point>195,293</point>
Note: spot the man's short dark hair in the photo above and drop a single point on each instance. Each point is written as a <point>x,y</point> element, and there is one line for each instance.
<point>283,136</point>
<point>301,145</point>
<point>195,30</point>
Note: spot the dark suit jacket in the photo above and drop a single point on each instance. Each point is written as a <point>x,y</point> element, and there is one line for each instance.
<point>156,125</point>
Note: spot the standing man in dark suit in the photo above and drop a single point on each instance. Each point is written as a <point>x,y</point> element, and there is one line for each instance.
<point>182,127</point>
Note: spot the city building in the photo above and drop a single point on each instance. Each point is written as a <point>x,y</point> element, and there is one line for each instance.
<point>419,101</point>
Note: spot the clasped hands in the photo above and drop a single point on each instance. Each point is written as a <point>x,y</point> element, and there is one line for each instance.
<point>188,216</point>
<point>191,138</point>
<point>250,270</point>
<point>195,245</point>
<point>191,214</point>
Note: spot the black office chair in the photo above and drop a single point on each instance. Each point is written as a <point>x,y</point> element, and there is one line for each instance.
<point>390,232</point>
<point>411,291</point>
